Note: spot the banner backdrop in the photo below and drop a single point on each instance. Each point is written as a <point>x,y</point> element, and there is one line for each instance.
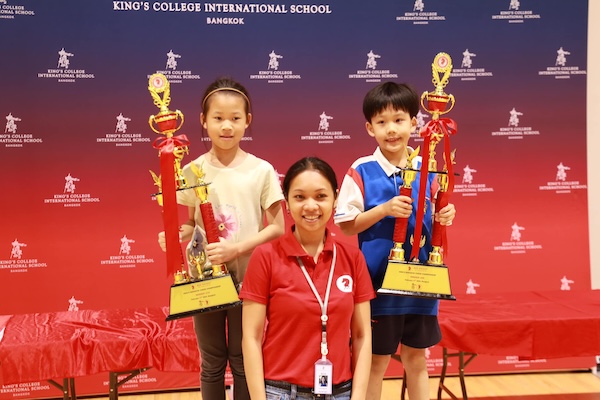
<point>79,224</point>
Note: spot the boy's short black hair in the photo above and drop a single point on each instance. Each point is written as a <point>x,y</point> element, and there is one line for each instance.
<point>401,96</point>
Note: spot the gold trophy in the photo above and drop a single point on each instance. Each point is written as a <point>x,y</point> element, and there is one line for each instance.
<point>200,292</point>
<point>413,278</point>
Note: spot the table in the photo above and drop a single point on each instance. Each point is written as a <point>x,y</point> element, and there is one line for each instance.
<point>530,325</point>
<point>65,345</point>
<point>123,343</point>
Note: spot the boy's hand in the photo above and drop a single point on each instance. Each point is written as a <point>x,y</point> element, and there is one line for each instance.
<point>446,215</point>
<point>399,207</point>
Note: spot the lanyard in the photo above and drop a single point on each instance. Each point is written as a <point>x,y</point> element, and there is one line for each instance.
<point>322,303</point>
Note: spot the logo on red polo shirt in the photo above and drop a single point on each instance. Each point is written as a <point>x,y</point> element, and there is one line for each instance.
<point>344,283</point>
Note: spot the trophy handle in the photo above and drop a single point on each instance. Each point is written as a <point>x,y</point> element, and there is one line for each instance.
<point>451,101</point>
<point>423,96</point>
<point>150,122</point>
<point>180,114</point>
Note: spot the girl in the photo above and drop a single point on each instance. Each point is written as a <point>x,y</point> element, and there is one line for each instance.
<point>244,191</point>
<point>314,292</point>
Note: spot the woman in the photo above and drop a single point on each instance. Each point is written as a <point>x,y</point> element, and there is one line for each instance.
<point>314,293</point>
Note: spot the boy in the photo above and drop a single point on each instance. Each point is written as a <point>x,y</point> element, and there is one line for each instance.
<point>368,204</point>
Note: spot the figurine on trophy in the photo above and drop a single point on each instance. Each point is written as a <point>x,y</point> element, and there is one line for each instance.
<point>157,183</point>
<point>180,180</point>
<point>200,266</point>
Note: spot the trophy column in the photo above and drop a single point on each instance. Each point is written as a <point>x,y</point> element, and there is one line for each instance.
<point>401,224</point>
<point>208,218</point>
<point>438,236</point>
<point>170,150</point>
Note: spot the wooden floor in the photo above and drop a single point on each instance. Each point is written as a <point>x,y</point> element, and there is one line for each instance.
<point>581,385</point>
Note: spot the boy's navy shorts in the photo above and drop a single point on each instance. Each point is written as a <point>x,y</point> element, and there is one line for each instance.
<point>417,331</point>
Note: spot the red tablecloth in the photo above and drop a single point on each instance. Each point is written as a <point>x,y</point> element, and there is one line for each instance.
<point>530,325</point>
<point>59,345</point>
<point>46,346</point>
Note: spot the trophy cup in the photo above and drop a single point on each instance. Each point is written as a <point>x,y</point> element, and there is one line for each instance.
<point>413,278</point>
<point>200,292</point>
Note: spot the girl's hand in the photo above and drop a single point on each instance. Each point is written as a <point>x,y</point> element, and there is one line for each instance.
<point>185,233</point>
<point>161,241</point>
<point>222,252</point>
<point>446,215</point>
<point>398,207</point>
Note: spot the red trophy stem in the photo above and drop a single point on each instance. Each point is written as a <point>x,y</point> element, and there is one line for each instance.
<point>401,224</point>
<point>210,224</point>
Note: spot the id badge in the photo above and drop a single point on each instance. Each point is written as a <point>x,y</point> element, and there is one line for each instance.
<point>323,376</point>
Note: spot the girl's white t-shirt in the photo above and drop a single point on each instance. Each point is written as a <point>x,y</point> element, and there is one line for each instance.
<point>239,197</point>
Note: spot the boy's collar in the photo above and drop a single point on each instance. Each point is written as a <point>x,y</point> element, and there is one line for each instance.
<point>385,164</point>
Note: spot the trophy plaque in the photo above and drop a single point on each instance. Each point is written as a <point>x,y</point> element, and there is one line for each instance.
<point>208,287</point>
<point>430,279</point>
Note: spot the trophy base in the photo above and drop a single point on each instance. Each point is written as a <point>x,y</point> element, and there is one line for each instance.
<point>417,280</point>
<point>202,296</point>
